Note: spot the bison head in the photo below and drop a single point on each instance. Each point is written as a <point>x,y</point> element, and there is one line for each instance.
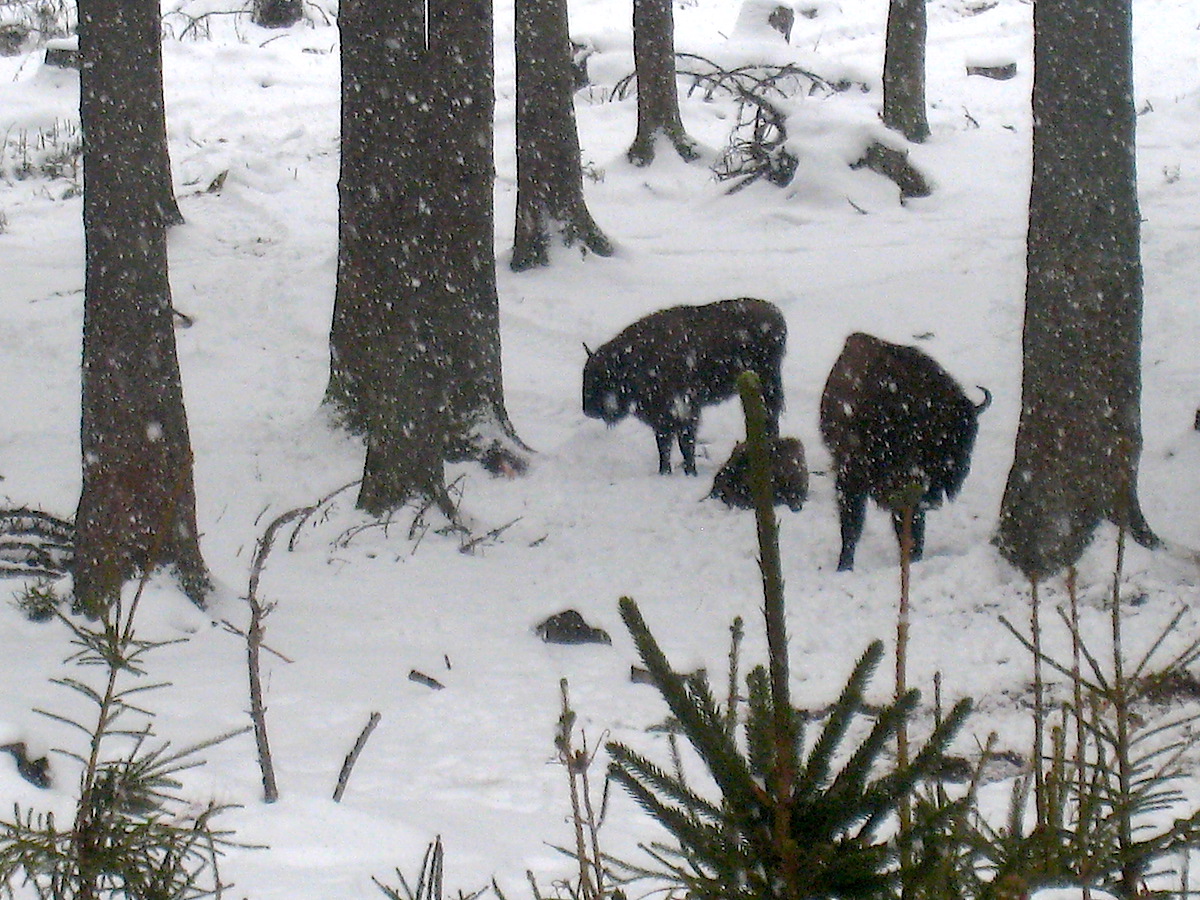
<point>605,391</point>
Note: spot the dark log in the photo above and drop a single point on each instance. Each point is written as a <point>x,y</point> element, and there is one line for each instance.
<point>998,72</point>
<point>34,770</point>
<point>422,678</point>
<point>894,165</point>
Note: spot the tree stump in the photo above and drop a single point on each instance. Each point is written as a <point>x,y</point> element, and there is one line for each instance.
<point>63,53</point>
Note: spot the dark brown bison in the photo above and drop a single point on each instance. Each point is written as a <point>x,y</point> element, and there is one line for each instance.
<point>900,430</point>
<point>789,474</point>
<point>665,367</point>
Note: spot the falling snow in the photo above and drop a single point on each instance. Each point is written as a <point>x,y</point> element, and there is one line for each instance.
<point>359,608</point>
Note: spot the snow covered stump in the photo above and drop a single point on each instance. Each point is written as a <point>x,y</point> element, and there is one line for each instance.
<point>998,63</point>
<point>63,53</point>
<point>996,71</point>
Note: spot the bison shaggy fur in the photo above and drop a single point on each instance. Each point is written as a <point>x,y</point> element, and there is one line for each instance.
<point>900,431</point>
<point>664,368</point>
<point>789,475</point>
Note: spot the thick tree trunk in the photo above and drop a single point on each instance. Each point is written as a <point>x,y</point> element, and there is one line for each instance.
<point>657,95</point>
<point>462,183</point>
<point>550,204</point>
<point>415,340</point>
<point>379,383</point>
<point>1079,438</point>
<point>904,70</point>
<point>137,504</point>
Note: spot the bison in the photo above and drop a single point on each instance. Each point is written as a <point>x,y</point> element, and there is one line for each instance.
<point>900,431</point>
<point>789,475</point>
<point>665,367</point>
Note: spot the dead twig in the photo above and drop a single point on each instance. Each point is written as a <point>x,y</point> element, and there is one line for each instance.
<point>320,504</point>
<point>233,629</point>
<point>352,756</point>
<point>254,643</point>
<point>470,545</point>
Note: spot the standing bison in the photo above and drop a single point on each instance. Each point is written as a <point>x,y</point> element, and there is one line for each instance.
<point>665,367</point>
<point>900,431</point>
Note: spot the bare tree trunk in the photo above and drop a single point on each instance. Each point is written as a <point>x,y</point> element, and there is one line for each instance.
<point>463,88</point>
<point>137,508</point>
<point>1079,439</point>
<point>550,204</point>
<point>657,95</point>
<point>415,341</point>
<point>380,382</point>
<point>904,70</point>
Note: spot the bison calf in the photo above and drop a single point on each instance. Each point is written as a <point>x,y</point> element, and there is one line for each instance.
<point>665,367</point>
<point>900,431</point>
<point>789,476</point>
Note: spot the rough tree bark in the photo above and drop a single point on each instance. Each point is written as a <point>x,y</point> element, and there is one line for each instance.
<point>1079,438</point>
<point>657,95</point>
<point>137,509</point>
<point>461,182</point>
<point>415,340</point>
<point>550,203</point>
<point>904,70</point>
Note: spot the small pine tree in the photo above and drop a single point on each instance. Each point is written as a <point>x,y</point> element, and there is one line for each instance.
<point>793,821</point>
<point>133,835</point>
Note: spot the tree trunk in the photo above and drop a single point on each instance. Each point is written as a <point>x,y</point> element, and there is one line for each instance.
<point>415,340</point>
<point>657,95</point>
<point>1079,438</point>
<point>137,504</point>
<point>550,204</point>
<point>156,121</point>
<point>904,70</point>
<point>462,183</point>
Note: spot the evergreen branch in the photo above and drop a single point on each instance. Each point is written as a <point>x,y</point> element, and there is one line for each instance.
<point>815,772</point>
<point>634,765</point>
<point>851,780</point>
<point>760,739</point>
<point>715,748</point>
<point>705,842</point>
<point>884,796</point>
<point>1189,653</point>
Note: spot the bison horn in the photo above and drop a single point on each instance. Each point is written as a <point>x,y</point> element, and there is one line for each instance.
<point>987,399</point>
<point>589,351</point>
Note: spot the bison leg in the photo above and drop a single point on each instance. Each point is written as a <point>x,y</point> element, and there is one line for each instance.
<point>852,508</point>
<point>664,439</point>
<point>918,532</point>
<point>773,399</point>
<point>687,446</point>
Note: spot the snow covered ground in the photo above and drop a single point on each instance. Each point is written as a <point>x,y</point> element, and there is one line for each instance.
<point>358,609</point>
